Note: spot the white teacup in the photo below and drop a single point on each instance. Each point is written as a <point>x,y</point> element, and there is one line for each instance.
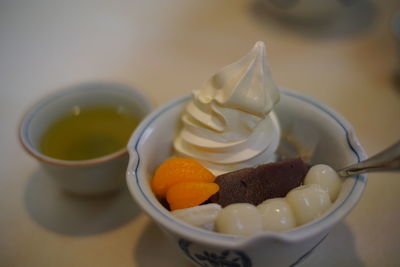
<point>319,129</point>
<point>92,176</point>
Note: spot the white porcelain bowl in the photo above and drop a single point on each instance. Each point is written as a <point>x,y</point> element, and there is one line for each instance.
<point>311,122</point>
<point>93,176</point>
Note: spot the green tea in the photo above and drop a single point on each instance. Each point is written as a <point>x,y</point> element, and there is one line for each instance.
<point>88,133</point>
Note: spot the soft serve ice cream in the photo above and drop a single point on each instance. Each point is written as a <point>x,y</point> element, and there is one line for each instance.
<point>229,123</point>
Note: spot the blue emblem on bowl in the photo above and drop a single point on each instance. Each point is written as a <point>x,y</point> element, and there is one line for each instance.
<point>226,258</point>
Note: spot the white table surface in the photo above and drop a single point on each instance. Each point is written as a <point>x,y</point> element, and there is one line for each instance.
<point>166,49</point>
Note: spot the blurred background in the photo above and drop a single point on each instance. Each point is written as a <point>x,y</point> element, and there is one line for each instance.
<point>345,53</point>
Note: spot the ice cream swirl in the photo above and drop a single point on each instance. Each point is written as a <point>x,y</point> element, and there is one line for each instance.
<point>229,123</point>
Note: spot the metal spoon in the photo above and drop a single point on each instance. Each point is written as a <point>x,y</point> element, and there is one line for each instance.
<point>387,160</point>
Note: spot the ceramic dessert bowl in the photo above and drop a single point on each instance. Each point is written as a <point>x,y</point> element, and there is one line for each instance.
<point>92,176</point>
<point>323,135</point>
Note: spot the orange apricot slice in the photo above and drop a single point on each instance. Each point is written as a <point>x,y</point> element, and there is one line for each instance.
<point>177,170</point>
<point>190,194</point>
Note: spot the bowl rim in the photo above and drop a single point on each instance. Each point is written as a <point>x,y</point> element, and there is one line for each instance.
<point>90,87</point>
<point>196,234</point>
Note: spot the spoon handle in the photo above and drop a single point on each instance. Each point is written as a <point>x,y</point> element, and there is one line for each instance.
<point>387,160</point>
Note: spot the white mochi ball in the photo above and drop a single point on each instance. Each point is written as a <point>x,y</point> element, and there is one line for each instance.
<point>203,216</point>
<point>326,177</point>
<point>277,215</point>
<point>308,202</point>
<point>239,219</point>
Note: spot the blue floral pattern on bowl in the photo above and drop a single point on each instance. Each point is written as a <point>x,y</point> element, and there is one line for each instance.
<point>227,258</point>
